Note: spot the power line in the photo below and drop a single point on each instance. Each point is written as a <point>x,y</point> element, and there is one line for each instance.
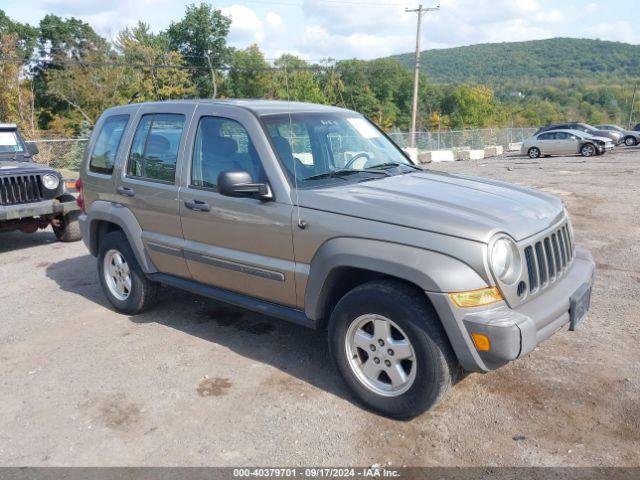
<point>224,68</point>
<point>337,2</point>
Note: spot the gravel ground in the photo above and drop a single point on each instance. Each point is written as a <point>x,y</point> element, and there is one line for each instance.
<point>197,383</point>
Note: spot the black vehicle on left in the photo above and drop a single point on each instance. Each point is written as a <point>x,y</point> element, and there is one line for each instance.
<point>34,196</point>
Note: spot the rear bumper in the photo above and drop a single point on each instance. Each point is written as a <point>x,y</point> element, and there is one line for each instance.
<point>28,210</point>
<point>513,332</point>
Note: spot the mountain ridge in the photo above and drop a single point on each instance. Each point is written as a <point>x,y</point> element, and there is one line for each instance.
<point>554,58</point>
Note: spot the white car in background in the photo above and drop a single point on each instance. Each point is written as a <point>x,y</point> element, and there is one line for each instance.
<point>630,138</point>
<point>565,142</point>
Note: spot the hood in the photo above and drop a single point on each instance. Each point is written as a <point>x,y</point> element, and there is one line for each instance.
<point>12,167</point>
<point>606,133</point>
<point>602,139</point>
<point>457,205</point>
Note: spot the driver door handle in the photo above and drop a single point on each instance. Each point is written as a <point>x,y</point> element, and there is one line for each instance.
<point>197,205</point>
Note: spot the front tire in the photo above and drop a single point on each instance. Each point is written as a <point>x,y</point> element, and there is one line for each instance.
<point>630,141</point>
<point>534,152</point>
<point>123,281</point>
<point>388,344</point>
<point>588,150</point>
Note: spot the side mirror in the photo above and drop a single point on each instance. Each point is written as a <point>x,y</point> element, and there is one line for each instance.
<point>240,184</point>
<point>32,149</point>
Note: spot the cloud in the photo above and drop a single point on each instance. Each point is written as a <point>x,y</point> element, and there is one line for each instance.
<point>246,27</point>
<point>376,28</point>
<point>620,31</point>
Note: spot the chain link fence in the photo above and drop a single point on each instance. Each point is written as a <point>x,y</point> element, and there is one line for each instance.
<point>459,139</point>
<point>65,154</point>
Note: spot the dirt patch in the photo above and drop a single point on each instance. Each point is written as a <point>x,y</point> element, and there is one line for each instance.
<point>117,412</point>
<point>213,387</point>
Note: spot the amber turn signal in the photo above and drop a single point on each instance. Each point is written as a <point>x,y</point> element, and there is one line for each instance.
<point>476,298</point>
<point>481,341</point>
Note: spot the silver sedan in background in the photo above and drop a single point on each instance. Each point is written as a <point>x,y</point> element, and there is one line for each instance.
<point>565,142</point>
<point>629,137</point>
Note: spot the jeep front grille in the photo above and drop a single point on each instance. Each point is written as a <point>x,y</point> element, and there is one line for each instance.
<point>547,258</point>
<point>20,189</point>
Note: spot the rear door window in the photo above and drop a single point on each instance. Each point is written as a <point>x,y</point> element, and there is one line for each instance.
<point>154,152</point>
<point>106,148</point>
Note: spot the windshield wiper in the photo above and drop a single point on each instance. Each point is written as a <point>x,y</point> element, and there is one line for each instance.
<point>395,164</point>
<point>343,173</point>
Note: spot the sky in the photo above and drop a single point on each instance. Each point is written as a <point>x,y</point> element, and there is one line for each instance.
<point>319,29</point>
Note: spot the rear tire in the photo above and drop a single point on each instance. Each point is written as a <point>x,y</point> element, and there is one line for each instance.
<point>588,150</point>
<point>534,152</point>
<point>69,228</point>
<point>630,141</point>
<point>123,281</point>
<point>414,349</point>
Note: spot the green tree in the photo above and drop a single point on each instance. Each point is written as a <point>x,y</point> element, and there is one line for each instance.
<point>23,36</point>
<point>201,38</point>
<point>252,79</point>
<point>16,96</point>
<point>470,106</point>
<point>294,80</point>
<point>62,44</point>
<point>153,72</point>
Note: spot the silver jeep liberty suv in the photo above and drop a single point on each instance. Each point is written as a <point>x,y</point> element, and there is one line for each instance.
<point>311,214</point>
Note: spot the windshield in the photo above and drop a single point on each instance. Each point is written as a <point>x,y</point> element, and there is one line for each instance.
<point>330,145</point>
<point>9,142</point>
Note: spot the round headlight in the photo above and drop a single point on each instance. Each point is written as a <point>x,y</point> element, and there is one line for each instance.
<point>50,181</point>
<point>505,260</point>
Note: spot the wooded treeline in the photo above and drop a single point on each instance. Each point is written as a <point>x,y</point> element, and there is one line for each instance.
<point>60,75</point>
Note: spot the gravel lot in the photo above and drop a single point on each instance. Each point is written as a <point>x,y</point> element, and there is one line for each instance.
<point>198,383</point>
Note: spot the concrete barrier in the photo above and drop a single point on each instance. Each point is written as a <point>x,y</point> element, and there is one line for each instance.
<point>438,156</point>
<point>470,155</point>
<point>514,147</point>
<point>424,157</point>
<point>413,154</point>
<point>493,151</point>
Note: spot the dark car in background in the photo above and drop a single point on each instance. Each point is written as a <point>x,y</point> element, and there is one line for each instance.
<point>33,196</point>
<point>616,137</point>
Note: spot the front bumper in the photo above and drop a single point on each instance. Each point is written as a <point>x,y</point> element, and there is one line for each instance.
<point>513,332</point>
<point>38,209</point>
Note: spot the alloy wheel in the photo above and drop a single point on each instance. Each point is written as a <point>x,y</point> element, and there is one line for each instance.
<point>588,150</point>
<point>117,274</point>
<point>380,355</point>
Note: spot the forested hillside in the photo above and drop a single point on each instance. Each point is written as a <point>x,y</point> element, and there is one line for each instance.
<point>577,59</point>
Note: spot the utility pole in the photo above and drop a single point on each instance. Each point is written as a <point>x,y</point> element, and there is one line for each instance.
<point>416,78</point>
<point>633,104</point>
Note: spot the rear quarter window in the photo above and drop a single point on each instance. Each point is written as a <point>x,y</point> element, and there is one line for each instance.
<point>105,151</point>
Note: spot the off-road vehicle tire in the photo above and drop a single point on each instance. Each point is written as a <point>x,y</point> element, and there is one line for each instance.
<point>588,150</point>
<point>69,228</point>
<point>142,293</point>
<point>434,365</point>
<point>534,152</point>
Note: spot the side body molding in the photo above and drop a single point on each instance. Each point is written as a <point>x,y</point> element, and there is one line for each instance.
<point>429,270</point>
<point>124,218</point>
